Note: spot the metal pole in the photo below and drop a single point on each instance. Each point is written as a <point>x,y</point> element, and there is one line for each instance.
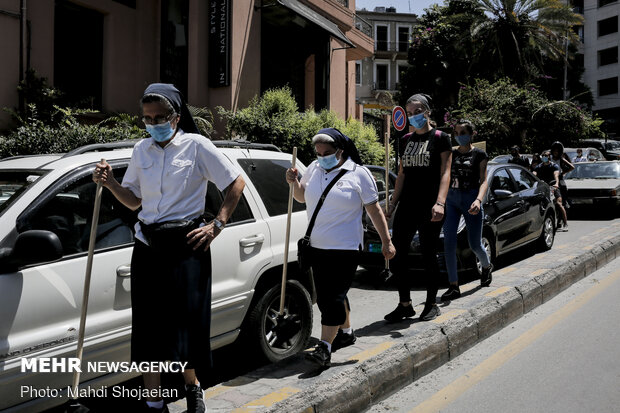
<point>22,45</point>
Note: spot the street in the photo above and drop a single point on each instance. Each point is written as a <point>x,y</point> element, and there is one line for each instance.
<point>561,357</point>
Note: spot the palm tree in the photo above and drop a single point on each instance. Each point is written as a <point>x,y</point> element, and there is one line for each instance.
<point>514,37</point>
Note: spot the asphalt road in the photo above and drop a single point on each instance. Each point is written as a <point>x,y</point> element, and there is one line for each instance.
<point>561,357</point>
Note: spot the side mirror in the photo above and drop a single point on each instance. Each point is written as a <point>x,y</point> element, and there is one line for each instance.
<point>502,193</point>
<point>31,247</point>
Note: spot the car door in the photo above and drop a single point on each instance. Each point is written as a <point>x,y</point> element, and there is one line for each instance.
<point>503,209</point>
<point>43,302</point>
<point>531,203</point>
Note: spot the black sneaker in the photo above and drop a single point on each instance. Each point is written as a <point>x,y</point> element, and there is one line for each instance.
<point>399,313</point>
<point>195,399</point>
<point>320,355</point>
<point>430,312</point>
<point>452,294</point>
<point>343,340</point>
<point>486,277</point>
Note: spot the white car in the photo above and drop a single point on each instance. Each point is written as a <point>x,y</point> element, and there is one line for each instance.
<point>46,205</point>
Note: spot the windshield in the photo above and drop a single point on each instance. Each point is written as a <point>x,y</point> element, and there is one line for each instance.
<point>13,184</point>
<point>612,146</point>
<point>595,170</point>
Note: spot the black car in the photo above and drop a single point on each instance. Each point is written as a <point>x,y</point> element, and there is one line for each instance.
<point>518,211</point>
<point>609,147</point>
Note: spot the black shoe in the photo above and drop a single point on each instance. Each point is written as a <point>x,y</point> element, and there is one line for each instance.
<point>343,340</point>
<point>148,409</point>
<point>452,294</point>
<point>195,399</point>
<point>430,312</point>
<point>320,355</point>
<point>399,313</point>
<point>486,277</point>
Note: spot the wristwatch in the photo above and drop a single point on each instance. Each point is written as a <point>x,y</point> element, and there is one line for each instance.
<point>218,224</point>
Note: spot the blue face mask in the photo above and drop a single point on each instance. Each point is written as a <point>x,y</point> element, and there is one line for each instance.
<point>327,162</point>
<point>463,140</point>
<point>161,132</point>
<point>417,121</point>
<point>544,159</point>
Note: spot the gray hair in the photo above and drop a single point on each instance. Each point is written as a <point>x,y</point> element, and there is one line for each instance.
<point>156,98</point>
<point>323,138</point>
<point>424,99</point>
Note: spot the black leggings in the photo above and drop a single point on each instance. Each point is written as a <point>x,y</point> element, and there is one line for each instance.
<point>407,221</point>
<point>333,272</point>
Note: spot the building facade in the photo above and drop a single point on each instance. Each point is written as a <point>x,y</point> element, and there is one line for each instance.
<point>601,39</point>
<point>381,72</point>
<point>102,53</point>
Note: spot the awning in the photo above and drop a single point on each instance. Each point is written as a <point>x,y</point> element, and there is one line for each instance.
<point>313,17</point>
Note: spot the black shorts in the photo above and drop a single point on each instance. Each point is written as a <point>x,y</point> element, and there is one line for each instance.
<point>171,305</point>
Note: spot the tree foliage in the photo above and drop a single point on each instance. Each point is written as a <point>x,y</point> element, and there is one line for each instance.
<point>274,118</point>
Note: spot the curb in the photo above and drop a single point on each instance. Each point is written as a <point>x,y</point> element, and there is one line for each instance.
<point>413,357</point>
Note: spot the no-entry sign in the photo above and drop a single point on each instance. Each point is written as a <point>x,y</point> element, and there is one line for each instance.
<point>399,118</point>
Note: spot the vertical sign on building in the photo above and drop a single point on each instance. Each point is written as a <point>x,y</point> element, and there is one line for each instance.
<point>219,43</point>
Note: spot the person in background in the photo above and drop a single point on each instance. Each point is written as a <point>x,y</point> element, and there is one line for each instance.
<point>579,157</point>
<point>535,161</point>
<point>592,157</point>
<point>337,236</point>
<point>420,194</point>
<point>468,186</point>
<point>171,262</point>
<point>549,172</point>
<point>559,158</point>
<point>516,158</point>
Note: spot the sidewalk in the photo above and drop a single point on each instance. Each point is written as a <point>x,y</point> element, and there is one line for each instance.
<point>387,357</point>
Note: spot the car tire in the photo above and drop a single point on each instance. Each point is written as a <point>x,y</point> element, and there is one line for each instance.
<point>264,325</point>
<point>489,248</point>
<point>547,235</point>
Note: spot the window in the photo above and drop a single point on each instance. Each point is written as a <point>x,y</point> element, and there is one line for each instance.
<point>358,73</point>
<point>608,26</point>
<point>602,3</point>
<point>403,39</point>
<point>382,80</point>
<point>267,175</point>
<point>68,213</point>
<point>608,56</point>
<point>523,178</point>
<point>381,38</point>
<point>379,176</point>
<point>213,203</point>
<point>501,180</point>
<point>608,86</point>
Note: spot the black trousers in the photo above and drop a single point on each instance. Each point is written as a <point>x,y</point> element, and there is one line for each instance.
<point>171,305</point>
<point>333,272</point>
<point>409,218</point>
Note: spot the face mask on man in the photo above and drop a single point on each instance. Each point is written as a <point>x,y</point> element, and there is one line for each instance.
<point>463,140</point>
<point>327,162</point>
<point>545,159</point>
<point>161,132</point>
<point>592,157</point>
<point>418,121</point>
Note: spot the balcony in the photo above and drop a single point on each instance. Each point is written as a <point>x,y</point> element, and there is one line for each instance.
<point>363,25</point>
<point>385,46</point>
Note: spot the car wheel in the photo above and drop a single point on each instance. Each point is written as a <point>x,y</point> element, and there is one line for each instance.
<point>488,247</point>
<point>547,235</point>
<point>276,338</point>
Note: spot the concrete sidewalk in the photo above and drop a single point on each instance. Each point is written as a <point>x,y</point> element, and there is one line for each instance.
<point>387,357</point>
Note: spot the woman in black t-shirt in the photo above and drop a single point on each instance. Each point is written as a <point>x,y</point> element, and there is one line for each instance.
<point>420,193</point>
<point>468,185</point>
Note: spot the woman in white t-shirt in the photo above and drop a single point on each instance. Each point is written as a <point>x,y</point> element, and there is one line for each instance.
<point>337,235</point>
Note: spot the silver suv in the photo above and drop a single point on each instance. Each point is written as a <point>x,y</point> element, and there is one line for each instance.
<point>46,205</point>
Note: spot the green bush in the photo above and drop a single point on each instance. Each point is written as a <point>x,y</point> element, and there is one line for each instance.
<point>37,137</point>
<point>274,118</point>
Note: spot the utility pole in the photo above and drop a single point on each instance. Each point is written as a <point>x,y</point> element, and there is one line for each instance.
<point>565,86</point>
<point>23,27</point>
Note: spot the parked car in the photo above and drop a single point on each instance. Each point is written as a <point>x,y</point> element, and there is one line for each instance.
<point>587,151</point>
<point>595,184</point>
<point>518,211</point>
<point>378,172</point>
<point>45,212</point>
<point>608,147</point>
<point>506,158</point>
